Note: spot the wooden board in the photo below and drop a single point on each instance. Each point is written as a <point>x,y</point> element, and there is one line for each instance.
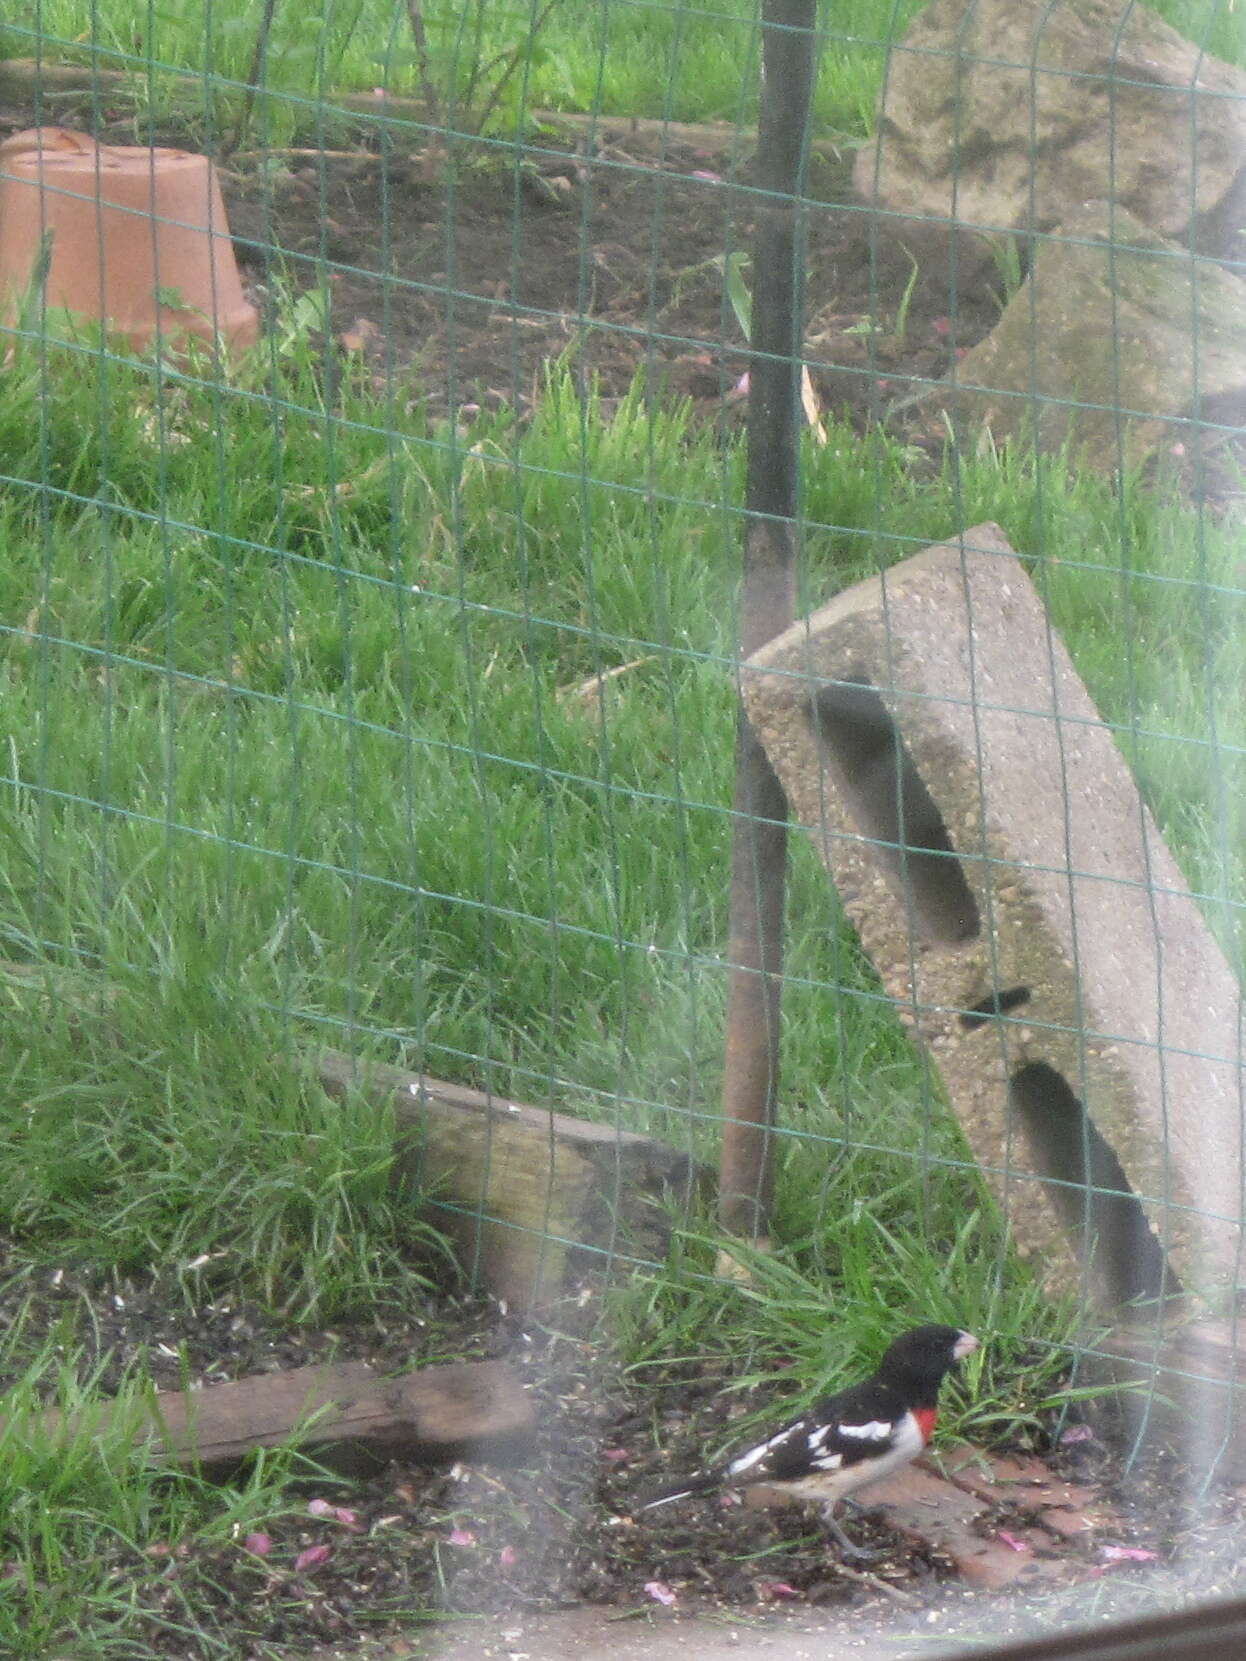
<point>346,1416</point>
<point>526,1194</point>
<point>22,80</point>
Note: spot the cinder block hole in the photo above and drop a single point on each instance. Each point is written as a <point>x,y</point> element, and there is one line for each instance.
<point>891,805</point>
<point>999,1003</point>
<point>1108,1223</point>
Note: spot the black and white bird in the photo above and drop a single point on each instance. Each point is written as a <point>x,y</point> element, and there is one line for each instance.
<point>850,1439</point>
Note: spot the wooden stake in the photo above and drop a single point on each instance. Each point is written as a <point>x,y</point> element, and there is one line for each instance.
<point>767,606</point>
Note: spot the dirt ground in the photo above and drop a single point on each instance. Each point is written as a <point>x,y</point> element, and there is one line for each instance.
<point>606,259</point>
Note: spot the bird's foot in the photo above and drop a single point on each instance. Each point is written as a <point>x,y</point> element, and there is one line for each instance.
<point>859,1554</point>
<point>850,1552</point>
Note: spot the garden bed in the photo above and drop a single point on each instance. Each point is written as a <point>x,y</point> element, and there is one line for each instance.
<point>351,1557</point>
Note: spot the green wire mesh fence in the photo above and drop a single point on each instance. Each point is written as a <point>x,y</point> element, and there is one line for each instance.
<point>374,687</point>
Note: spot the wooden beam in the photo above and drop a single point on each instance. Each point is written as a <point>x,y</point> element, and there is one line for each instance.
<point>345,1416</point>
<point>526,1194</point>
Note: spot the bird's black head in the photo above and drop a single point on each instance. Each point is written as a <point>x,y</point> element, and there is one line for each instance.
<point>919,1359</point>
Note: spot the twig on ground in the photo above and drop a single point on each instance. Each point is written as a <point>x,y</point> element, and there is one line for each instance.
<point>866,1578</point>
<point>305,153</point>
<point>428,87</point>
<point>589,691</point>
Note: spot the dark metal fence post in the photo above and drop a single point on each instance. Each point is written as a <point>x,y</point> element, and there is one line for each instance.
<point>767,605</point>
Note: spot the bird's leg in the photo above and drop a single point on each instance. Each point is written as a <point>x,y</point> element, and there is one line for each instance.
<point>854,1554</point>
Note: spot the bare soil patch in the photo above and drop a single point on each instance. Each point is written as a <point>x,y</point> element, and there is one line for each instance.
<point>605,257</point>
<point>594,245</point>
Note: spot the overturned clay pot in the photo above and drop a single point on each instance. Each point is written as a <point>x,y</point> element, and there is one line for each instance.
<point>138,237</point>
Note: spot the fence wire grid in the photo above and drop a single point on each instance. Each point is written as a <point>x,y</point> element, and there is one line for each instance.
<point>373,685</point>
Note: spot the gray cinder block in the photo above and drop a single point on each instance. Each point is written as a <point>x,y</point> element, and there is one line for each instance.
<point>991,848</point>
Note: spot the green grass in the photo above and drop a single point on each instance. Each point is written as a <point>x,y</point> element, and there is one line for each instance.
<point>686,62</point>
<point>103,1554</point>
<point>292,754</point>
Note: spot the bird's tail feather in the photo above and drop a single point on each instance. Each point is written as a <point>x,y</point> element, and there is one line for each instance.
<point>703,1483</point>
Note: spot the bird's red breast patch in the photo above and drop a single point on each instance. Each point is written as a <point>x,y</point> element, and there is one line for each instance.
<point>926,1417</point>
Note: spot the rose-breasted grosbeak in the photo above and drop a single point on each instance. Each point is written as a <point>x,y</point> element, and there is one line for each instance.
<point>850,1439</point>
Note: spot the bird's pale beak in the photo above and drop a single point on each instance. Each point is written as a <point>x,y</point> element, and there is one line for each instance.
<point>965,1345</point>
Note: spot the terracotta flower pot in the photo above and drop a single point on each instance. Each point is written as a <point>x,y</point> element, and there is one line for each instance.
<point>138,237</point>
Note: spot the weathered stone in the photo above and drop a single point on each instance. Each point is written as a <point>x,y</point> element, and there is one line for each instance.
<point>952,1512</point>
<point>1116,339</point>
<point>1182,1386</point>
<point>1007,114</point>
<point>930,728</point>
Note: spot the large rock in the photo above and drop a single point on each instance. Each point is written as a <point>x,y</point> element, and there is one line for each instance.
<point>1116,341</point>
<point>1007,114</point>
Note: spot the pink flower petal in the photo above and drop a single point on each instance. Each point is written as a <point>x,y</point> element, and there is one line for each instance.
<point>347,1518</point>
<point>660,1592</point>
<point>776,1589</point>
<point>1076,1433</point>
<point>318,1508</point>
<point>705,173</point>
<point>258,1544</point>
<point>508,1557</point>
<point>1129,1554</point>
<point>462,1537</point>
<point>1011,1541</point>
<point>616,1456</point>
<point>311,1558</point>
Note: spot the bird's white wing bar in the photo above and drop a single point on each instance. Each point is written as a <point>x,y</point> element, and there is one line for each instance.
<point>878,1430</point>
<point>827,1461</point>
<point>754,1456</point>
